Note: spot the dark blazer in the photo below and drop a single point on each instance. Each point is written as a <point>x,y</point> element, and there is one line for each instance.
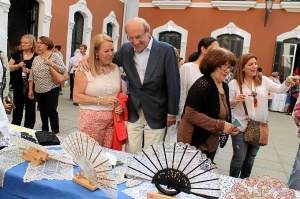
<point>159,94</point>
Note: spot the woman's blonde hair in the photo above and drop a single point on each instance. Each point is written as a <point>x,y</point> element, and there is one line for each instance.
<point>32,40</point>
<point>95,46</point>
<point>239,74</point>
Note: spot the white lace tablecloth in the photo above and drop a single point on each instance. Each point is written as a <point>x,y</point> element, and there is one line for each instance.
<point>50,170</point>
<point>9,157</point>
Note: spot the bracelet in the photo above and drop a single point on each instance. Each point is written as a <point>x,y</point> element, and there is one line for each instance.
<point>99,100</point>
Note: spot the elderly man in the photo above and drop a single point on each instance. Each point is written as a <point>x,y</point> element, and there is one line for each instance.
<point>154,85</point>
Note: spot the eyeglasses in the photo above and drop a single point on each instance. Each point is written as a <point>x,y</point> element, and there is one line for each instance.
<point>39,42</point>
<point>138,37</point>
<point>225,67</point>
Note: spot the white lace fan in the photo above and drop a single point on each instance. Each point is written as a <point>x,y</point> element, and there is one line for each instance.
<point>174,168</point>
<point>88,154</point>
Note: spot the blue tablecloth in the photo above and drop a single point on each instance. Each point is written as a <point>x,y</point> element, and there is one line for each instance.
<point>15,188</point>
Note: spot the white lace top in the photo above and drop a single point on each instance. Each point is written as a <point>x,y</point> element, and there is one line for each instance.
<point>259,113</point>
<point>103,85</point>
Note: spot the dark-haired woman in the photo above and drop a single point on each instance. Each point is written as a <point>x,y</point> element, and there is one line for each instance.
<point>20,65</point>
<point>189,73</point>
<point>207,111</point>
<point>47,91</point>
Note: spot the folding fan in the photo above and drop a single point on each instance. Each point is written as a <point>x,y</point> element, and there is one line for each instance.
<point>93,162</point>
<point>174,168</point>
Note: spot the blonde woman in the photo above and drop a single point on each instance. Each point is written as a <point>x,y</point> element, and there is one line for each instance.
<point>96,92</point>
<point>20,66</point>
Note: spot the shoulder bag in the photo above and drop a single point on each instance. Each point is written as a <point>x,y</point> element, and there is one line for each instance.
<point>256,133</point>
<point>57,76</point>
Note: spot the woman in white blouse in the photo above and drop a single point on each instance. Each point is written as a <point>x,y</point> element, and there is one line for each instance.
<point>96,92</point>
<point>189,73</point>
<point>47,91</point>
<point>255,89</point>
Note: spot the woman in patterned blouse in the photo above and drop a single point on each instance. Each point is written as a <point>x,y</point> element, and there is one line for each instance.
<point>47,91</point>
<point>96,92</point>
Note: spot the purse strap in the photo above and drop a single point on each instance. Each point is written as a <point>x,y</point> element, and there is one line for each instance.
<point>53,61</point>
<point>244,104</point>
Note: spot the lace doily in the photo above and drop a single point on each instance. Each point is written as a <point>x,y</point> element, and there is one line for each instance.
<point>9,157</point>
<point>50,170</point>
<point>260,187</point>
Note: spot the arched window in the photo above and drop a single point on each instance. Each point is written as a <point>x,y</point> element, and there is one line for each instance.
<point>22,19</point>
<point>77,32</point>
<point>172,37</point>
<point>232,42</point>
<point>109,29</point>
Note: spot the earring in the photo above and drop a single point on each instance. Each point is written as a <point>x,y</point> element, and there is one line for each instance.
<point>96,56</point>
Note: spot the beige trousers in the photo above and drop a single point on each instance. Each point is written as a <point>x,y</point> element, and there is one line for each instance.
<point>139,130</point>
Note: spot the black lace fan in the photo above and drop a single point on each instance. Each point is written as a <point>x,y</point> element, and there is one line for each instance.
<point>175,168</point>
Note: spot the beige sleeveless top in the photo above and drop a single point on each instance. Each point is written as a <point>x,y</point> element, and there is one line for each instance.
<point>103,85</point>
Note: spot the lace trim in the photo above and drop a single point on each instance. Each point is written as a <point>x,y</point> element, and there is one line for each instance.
<point>109,86</point>
<point>50,170</point>
<point>9,157</point>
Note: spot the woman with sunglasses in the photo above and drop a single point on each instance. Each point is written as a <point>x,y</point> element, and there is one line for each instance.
<point>207,111</point>
<point>20,66</point>
<point>255,89</point>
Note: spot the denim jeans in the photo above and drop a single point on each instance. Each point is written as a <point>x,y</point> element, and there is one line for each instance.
<point>294,181</point>
<point>243,156</point>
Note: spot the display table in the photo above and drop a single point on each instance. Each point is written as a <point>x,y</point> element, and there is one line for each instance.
<point>15,186</point>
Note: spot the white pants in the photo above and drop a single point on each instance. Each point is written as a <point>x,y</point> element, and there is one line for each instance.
<point>137,130</point>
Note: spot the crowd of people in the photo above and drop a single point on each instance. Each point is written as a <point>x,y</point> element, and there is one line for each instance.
<point>194,103</point>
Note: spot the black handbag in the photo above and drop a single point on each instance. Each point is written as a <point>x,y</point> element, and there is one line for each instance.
<point>46,138</point>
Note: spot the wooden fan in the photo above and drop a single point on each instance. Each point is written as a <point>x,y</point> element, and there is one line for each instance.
<point>95,168</point>
<point>174,168</point>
